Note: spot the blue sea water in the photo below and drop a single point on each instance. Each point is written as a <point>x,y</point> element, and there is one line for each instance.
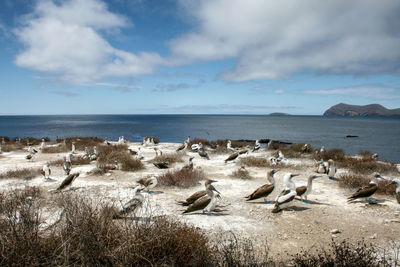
<point>377,135</point>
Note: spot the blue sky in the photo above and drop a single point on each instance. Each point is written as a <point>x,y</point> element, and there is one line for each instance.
<point>197,57</point>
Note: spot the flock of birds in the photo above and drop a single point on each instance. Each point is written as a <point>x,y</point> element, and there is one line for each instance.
<point>206,200</point>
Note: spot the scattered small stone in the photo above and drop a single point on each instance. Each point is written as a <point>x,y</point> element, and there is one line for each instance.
<point>373,236</point>
<point>335,231</point>
<point>334,236</point>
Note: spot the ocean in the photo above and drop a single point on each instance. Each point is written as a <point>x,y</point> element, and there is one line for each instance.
<point>378,135</point>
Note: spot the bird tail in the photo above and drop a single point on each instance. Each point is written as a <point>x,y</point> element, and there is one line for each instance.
<point>183,203</point>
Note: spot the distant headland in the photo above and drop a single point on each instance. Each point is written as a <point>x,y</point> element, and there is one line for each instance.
<point>372,110</point>
<point>279,114</point>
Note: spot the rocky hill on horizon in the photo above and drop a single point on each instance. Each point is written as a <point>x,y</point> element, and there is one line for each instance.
<point>372,110</point>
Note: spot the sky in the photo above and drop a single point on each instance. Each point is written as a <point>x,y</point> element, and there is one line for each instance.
<point>197,56</point>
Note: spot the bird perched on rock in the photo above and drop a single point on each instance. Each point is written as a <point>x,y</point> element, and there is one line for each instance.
<point>68,181</point>
<point>368,190</point>
<point>198,194</point>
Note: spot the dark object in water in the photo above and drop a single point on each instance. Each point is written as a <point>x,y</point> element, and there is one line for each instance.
<point>351,136</point>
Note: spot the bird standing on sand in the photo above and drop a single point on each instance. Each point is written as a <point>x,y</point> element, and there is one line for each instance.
<point>95,154</point>
<point>368,190</point>
<point>264,190</point>
<point>139,155</point>
<point>43,144</point>
<point>196,147</point>
<point>206,203</point>
<point>232,157</point>
<point>163,164</point>
<point>157,151</point>
<point>203,154</point>
<point>189,166</point>
<point>304,191</point>
<point>198,194</point>
<point>256,145</point>
<point>32,150</point>
<point>182,147</point>
<point>397,183</point>
<point>321,167</point>
<point>286,197</point>
<point>134,204</point>
<point>86,155</point>
<point>67,166</point>
<point>229,146</point>
<point>68,181</point>
<point>148,183</point>
<point>46,171</point>
<point>73,148</point>
<point>331,170</point>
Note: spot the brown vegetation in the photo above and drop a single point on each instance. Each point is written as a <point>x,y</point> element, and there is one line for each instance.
<point>335,154</point>
<point>56,149</point>
<point>181,178</point>
<point>111,153</point>
<point>366,166</point>
<point>75,160</point>
<point>81,142</point>
<point>241,173</point>
<point>8,147</point>
<point>173,158</point>
<point>359,180</point>
<point>25,173</point>
<point>155,139</point>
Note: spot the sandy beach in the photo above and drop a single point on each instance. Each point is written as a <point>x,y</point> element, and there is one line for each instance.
<point>304,226</point>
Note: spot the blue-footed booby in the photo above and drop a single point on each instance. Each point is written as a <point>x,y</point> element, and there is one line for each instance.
<point>206,203</point>
<point>304,191</point>
<point>46,171</point>
<point>256,145</point>
<point>132,205</point>
<point>198,194</point>
<point>264,190</point>
<point>148,182</point>
<point>286,197</point>
<point>368,190</point>
<point>397,183</point>
<point>68,181</point>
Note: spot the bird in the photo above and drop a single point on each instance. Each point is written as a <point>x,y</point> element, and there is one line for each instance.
<point>203,154</point>
<point>121,140</point>
<point>43,144</point>
<point>157,151</point>
<point>243,151</point>
<point>132,205</point>
<point>68,181</point>
<point>94,155</point>
<point>148,182</point>
<point>73,148</point>
<point>182,147</point>
<point>286,197</point>
<point>397,183</point>
<point>331,170</point>
<point>256,145</point>
<point>46,171</point>
<point>28,157</point>
<point>375,156</point>
<point>139,155</point>
<point>196,147</point>
<point>67,166</point>
<point>321,167</point>
<point>86,155</point>
<point>232,157</point>
<point>322,150</point>
<point>188,140</point>
<point>190,165</point>
<point>305,190</point>
<point>305,148</point>
<point>32,150</point>
<point>132,152</point>
<point>229,145</point>
<point>163,164</point>
<point>368,190</point>
<point>198,194</point>
<point>264,190</point>
<point>206,203</point>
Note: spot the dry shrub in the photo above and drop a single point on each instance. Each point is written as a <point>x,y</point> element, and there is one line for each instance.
<point>181,178</point>
<point>173,157</point>
<point>204,142</point>
<point>55,149</point>
<point>98,171</point>
<point>365,154</point>
<point>366,166</point>
<point>296,150</point>
<point>75,160</point>
<point>81,142</point>
<point>8,147</point>
<point>25,173</point>
<point>110,154</point>
<point>275,145</point>
<point>33,141</point>
<point>86,235</point>
<point>342,254</point>
<point>155,139</point>
<point>255,162</point>
<point>335,154</point>
<point>6,139</point>
<point>241,173</point>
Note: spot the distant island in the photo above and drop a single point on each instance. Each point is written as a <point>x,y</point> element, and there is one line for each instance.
<point>278,114</point>
<point>372,110</point>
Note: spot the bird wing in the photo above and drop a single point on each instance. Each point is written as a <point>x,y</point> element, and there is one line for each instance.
<point>196,196</point>
<point>262,191</point>
<point>67,181</point>
<point>232,157</point>
<point>42,172</point>
<point>365,191</point>
<point>132,205</point>
<point>199,204</point>
<point>285,198</point>
<point>142,181</point>
<point>301,190</point>
<point>181,147</point>
<point>398,197</point>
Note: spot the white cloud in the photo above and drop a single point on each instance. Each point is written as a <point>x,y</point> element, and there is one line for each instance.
<point>65,40</point>
<point>273,39</point>
<point>362,91</point>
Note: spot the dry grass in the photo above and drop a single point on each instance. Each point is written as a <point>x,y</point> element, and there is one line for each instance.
<point>358,180</point>
<point>81,142</point>
<point>335,154</point>
<point>275,145</point>
<point>173,158</point>
<point>205,142</point>
<point>296,150</point>
<point>75,160</point>
<point>367,166</point>
<point>55,149</point>
<point>365,154</point>
<point>33,141</point>
<point>242,174</point>
<point>8,147</point>
<point>255,162</point>
<point>110,154</point>
<point>181,178</point>
<point>25,173</point>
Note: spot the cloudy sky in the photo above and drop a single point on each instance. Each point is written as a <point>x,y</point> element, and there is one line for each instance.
<point>197,56</point>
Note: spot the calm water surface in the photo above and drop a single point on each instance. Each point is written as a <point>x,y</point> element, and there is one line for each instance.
<point>377,135</point>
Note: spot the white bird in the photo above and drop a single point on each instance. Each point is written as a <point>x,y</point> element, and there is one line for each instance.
<point>73,148</point>
<point>229,145</point>
<point>287,195</point>
<point>397,183</point>
<point>148,183</point>
<point>139,155</point>
<point>86,155</point>
<point>256,145</point>
<point>157,151</point>
<point>196,147</point>
<point>331,170</point>
<point>43,144</point>
<point>280,156</point>
<point>46,171</point>
<point>95,154</point>
<point>32,150</point>
<point>321,167</point>
<point>67,166</point>
<point>188,140</point>
<point>322,150</point>
<point>305,190</point>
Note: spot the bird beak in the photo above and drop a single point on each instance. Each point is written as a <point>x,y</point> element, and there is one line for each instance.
<point>317,176</point>
<point>296,174</point>
<point>213,181</point>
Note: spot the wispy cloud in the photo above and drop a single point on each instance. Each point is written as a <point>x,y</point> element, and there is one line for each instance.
<point>123,88</point>
<point>172,87</point>
<point>361,91</point>
<point>66,93</point>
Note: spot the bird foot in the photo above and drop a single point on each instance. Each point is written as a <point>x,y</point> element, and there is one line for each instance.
<point>372,202</point>
<point>267,201</point>
<point>150,192</point>
<point>305,202</point>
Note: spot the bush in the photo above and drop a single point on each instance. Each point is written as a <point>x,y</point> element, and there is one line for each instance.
<point>255,162</point>
<point>342,254</point>
<point>8,147</point>
<point>55,149</point>
<point>25,173</point>
<point>173,157</point>
<point>335,154</point>
<point>81,142</point>
<point>204,142</point>
<point>365,154</point>
<point>358,180</point>
<point>110,154</point>
<point>366,166</point>
<point>241,173</point>
<point>181,178</point>
<point>75,160</point>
